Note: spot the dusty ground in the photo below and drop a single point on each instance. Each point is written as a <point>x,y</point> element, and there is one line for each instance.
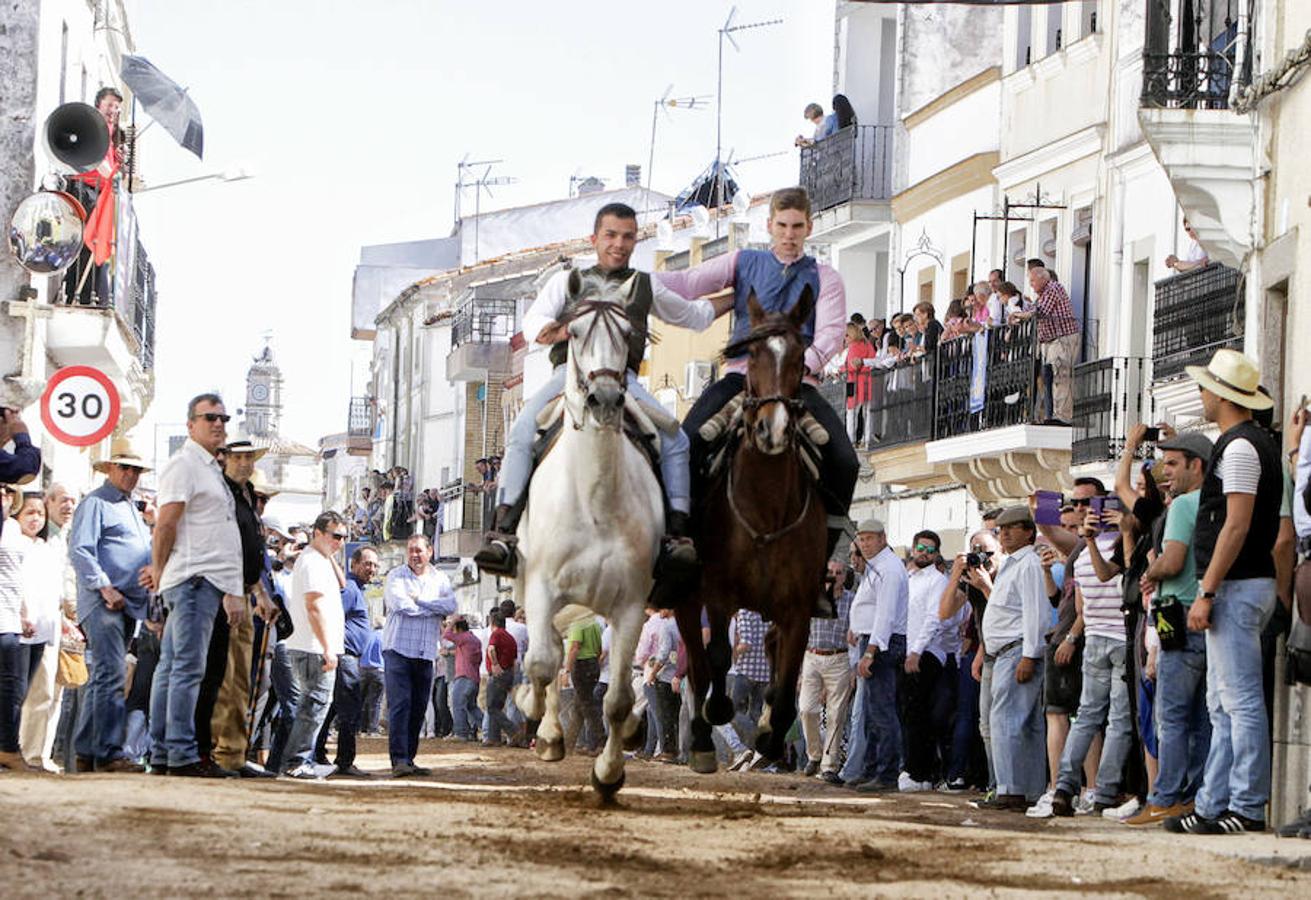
<point>496,823</point>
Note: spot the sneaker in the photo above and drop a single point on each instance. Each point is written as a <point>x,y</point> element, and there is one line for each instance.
<point>1126,809</point>
<point>201,769</point>
<point>1151,814</point>
<point>349,772</point>
<point>1232,823</point>
<point>1043,808</point>
<point>1084,804</point>
<point>305,772</point>
<point>832,778</point>
<point>811,769</point>
<point>955,786</point>
<point>1191,823</point>
<point>409,770</point>
<point>741,761</point>
<point>254,770</point>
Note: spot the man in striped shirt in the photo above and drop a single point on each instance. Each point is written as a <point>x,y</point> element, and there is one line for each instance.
<point>1105,696</point>
<point>1058,338</point>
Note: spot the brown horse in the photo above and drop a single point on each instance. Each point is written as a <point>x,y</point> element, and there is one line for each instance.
<point>763,536</point>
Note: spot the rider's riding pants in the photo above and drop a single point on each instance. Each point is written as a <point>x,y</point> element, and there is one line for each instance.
<point>517,465</point>
<point>839,465</point>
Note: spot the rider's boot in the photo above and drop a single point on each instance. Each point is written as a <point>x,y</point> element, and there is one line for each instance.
<point>677,552</point>
<point>824,605</point>
<point>497,555</point>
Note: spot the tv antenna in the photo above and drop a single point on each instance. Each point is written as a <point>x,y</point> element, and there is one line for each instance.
<point>726,32</point>
<point>484,182</point>
<point>665,104</point>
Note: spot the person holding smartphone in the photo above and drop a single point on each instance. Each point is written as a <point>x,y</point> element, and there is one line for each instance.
<point>23,464</point>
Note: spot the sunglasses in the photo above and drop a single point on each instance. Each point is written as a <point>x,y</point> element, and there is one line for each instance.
<point>1081,501</point>
<point>213,417</point>
<point>338,535</point>
<point>925,548</point>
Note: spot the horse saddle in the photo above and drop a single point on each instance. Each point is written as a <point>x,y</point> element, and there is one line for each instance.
<point>724,429</point>
<point>643,424</point>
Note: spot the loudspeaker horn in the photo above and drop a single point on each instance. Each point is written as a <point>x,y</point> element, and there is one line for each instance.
<point>77,136</point>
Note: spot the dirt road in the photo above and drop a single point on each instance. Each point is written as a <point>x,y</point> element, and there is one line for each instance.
<point>499,823</point>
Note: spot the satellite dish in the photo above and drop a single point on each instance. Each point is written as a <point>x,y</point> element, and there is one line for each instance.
<point>665,234</point>
<point>700,219</point>
<point>741,203</point>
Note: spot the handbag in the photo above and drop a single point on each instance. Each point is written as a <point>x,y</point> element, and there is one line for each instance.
<point>72,671</point>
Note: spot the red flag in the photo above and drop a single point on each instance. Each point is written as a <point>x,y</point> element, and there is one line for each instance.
<point>98,235</point>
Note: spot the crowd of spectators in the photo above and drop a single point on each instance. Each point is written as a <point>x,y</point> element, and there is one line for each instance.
<point>1107,652</point>
<point>887,364</point>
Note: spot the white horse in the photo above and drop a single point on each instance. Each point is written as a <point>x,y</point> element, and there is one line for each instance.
<point>592,528</point>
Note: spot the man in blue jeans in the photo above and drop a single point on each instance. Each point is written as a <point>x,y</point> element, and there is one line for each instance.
<point>1183,728</point>
<point>109,548</point>
<point>1237,525</point>
<point>416,597</point>
<point>878,619</point>
<point>197,567</point>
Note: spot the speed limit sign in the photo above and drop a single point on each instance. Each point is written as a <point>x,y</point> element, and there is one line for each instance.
<point>80,406</point>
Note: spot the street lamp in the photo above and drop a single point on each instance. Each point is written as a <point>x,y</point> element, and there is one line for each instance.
<point>230,174</point>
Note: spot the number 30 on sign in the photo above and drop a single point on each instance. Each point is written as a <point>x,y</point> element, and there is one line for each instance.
<point>80,406</point>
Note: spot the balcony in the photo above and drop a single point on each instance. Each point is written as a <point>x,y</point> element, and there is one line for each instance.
<point>971,414</point>
<point>464,510</point>
<point>988,411</point>
<point>1205,149</point>
<point>849,178</point>
<point>481,331</point>
<point>1197,313</point>
<point>1108,400</point>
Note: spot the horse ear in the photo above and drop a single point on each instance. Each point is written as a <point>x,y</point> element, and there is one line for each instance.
<point>575,282</point>
<point>754,309</point>
<point>800,313</point>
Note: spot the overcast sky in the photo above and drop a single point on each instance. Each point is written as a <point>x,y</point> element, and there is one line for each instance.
<point>353,117</point>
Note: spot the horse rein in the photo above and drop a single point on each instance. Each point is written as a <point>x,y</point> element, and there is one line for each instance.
<point>795,408</point>
<point>602,311</point>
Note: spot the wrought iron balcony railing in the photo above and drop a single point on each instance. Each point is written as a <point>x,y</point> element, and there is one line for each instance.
<point>1197,313</point>
<point>854,163</point>
<point>1183,80</point>
<point>360,420</point>
<point>900,408</point>
<point>1002,395</point>
<point>482,321</point>
<point>1108,399</point>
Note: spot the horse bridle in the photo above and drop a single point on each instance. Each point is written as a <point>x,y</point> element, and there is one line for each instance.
<point>608,313</point>
<point>795,408</point>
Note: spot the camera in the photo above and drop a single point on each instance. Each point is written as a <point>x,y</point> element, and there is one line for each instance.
<point>1152,434</point>
<point>976,558</point>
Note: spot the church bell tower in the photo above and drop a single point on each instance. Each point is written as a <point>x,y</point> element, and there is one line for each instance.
<point>263,394</point>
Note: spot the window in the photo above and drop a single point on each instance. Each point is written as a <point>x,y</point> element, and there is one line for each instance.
<point>1024,34</point>
<point>960,275</point>
<point>926,285</point>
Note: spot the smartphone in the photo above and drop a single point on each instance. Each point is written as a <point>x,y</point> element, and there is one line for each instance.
<point>1152,434</point>
<point>1047,511</point>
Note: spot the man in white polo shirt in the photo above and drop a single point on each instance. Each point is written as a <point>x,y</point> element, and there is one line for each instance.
<point>317,639</point>
<point>197,567</point>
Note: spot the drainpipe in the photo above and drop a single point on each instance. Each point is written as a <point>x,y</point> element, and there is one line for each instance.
<point>1240,54</point>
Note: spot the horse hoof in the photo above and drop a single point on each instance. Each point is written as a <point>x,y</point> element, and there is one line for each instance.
<point>703,762</point>
<point>550,751</point>
<point>607,791</point>
<point>718,710</point>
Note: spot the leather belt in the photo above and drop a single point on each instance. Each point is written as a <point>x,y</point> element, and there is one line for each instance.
<point>825,652</point>
<point>992,657</point>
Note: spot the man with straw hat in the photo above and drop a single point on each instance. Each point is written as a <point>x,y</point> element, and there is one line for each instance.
<point>225,690</point>
<point>109,548</point>
<point>1237,524</point>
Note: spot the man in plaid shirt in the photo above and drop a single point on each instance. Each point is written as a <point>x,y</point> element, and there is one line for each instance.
<point>1058,338</point>
<point>750,673</point>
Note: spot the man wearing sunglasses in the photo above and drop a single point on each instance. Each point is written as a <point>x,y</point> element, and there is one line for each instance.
<point>197,567</point>
<point>318,637</point>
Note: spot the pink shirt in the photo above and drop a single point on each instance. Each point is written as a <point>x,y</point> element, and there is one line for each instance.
<point>830,306</point>
<point>468,653</point>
